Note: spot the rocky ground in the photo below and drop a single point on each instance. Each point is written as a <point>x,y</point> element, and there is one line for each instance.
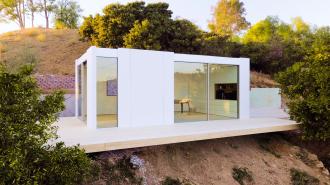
<point>258,159</point>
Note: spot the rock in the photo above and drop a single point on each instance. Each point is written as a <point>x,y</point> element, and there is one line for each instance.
<point>313,157</point>
<point>325,172</point>
<point>319,164</point>
<point>136,161</point>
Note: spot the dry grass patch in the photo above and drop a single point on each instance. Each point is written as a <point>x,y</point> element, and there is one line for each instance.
<point>41,37</point>
<point>261,80</point>
<point>56,50</point>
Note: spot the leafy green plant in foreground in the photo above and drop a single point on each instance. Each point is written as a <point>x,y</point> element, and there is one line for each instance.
<point>26,127</point>
<point>306,84</point>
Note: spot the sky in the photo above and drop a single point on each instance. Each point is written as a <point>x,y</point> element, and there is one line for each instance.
<point>315,12</point>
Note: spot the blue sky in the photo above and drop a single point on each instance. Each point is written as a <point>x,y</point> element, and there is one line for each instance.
<point>316,12</point>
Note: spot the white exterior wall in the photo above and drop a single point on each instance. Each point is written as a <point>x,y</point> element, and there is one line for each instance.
<point>146,84</point>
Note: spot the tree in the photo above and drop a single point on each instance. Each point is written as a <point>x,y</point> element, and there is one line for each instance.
<point>185,37</point>
<point>26,121</point>
<point>216,45</point>
<point>142,36</point>
<point>32,8</point>
<point>67,14</point>
<point>13,10</point>
<point>228,18</point>
<point>273,45</point>
<point>110,29</point>
<point>307,86</point>
<point>47,7</point>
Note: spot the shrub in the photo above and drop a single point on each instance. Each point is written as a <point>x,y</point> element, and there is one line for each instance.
<point>41,37</point>
<point>32,32</point>
<point>242,175</point>
<point>26,127</point>
<point>302,178</point>
<point>306,84</point>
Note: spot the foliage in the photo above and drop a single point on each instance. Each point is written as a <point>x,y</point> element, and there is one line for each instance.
<point>302,178</point>
<point>242,175</point>
<point>273,45</point>
<point>307,86</point>
<point>136,25</point>
<point>228,18</point>
<point>13,10</point>
<point>67,14</point>
<point>47,7</point>
<point>143,35</point>
<point>26,157</point>
<point>184,37</point>
<point>214,44</point>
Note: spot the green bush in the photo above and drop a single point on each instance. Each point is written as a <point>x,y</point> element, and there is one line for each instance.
<point>306,84</point>
<point>26,128</point>
<point>302,178</point>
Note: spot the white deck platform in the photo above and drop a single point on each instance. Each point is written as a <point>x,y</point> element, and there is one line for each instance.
<point>73,131</point>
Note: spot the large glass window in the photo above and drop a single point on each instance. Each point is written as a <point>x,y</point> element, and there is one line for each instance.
<point>223,91</point>
<point>190,91</point>
<point>82,91</point>
<point>107,109</point>
<point>205,92</point>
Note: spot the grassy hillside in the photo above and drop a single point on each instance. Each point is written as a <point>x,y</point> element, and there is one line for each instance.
<point>55,50</point>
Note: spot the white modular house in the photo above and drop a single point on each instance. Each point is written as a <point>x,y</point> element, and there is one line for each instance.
<point>141,88</point>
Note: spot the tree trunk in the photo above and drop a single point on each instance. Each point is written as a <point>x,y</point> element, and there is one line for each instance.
<point>32,9</point>
<point>32,19</point>
<point>46,14</point>
<point>19,13</point>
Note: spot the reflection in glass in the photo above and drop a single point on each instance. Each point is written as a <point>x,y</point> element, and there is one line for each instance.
<point>106,70</point>
<point>82,91</point>
<point>223,92</point>
<point>79,90</point>
<point>190,91</point>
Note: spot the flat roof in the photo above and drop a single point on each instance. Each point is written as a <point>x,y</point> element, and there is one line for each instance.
<point>73,131</point>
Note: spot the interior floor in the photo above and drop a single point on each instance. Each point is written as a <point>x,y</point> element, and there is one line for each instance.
<point>110,120</point>
<point>180,117</point>
<point>107,120</point>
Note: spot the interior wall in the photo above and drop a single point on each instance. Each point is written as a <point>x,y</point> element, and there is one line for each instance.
<point>224,74</point>
<point>105,104</point>
<point>193,87</point>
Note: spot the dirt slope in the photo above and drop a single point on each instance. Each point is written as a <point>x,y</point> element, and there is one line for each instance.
<point>268,158</point>
<point>55,50</point>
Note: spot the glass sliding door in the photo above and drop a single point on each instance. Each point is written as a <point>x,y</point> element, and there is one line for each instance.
<point>223,92</point>
<point>190,92</point>
<point>82,91</point>
<point>107,97</point>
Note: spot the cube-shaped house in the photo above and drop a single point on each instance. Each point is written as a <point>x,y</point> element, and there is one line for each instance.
<point>139,88</point>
